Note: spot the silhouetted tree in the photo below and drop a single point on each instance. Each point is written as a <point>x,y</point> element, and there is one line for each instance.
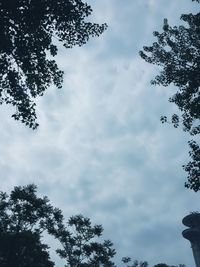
<point>80,247</point>
<point>165,265</point>
<point>23,249</point>
<point>23,218</point>
<point>177,53</point>
<point>24,211</point>
<point>129,263</point>
<point>27,30</point>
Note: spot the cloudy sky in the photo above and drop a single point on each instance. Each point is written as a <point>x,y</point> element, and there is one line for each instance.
<point>101,149</point>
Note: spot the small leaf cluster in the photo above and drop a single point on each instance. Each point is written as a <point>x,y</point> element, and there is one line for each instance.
<point>193,167</point>
<point>135,263</point>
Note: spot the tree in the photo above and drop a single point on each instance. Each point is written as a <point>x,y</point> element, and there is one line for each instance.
<point>80,247</point>
<point>177,53</point>
<point>28,30</point>
<point>165,265</point>
<point>23,218</point>
<point>23,249</point>
<point>135,263</point>
<point>129,263</point>
<point>23,211</point>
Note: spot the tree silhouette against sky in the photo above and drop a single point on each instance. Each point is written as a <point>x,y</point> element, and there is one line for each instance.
<point>28,31</point>
<point>177,54</point>
<point>25,217</point>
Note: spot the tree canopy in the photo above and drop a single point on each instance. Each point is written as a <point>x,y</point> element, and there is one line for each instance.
<point>28,30</point>
<point>177,54</point>
<point>24,211</point>
<point>165,265</point>
<point>23,249</point>
<point>24,217</point>
<point>80,247</point>
<point>135,263</point>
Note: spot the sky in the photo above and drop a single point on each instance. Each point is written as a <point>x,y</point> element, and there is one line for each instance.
<point>100,149</point>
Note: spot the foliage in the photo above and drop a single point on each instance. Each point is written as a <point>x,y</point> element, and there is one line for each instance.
<point>177,53</point>
<point>23,249</point>
<point>193,167</point>
<point>135,263</point>
<point>27,30</point>
<point>165,265</point>
<point>23,218</point>
<point>23,211</point>
<point>79,246</point>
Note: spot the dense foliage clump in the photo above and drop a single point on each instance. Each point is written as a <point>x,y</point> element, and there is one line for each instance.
<point>28,30</point>
<point>177,53</point>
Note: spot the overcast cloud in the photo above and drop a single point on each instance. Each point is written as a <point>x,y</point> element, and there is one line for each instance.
<point>100,149</point>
